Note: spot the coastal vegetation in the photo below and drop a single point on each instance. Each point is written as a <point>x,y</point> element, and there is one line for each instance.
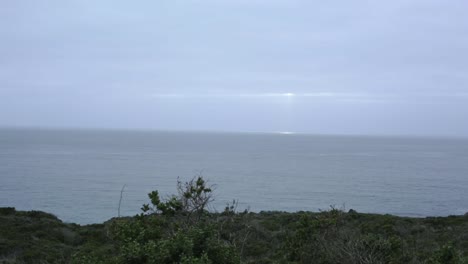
<point>180,229</point>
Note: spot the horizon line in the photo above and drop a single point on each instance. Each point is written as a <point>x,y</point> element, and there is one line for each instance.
<point>214,131</point>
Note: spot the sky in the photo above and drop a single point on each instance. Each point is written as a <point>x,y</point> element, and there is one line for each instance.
<point>322,67</point>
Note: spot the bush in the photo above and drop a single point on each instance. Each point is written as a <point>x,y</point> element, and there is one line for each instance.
<point>176,230</point>
<point>7,210</point>
<point>447,254</point>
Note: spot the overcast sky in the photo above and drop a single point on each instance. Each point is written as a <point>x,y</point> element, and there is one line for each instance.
<point>341,67</point>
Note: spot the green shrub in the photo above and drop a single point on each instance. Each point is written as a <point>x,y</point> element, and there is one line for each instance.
<point>447,254</point>
<point>175,230</point>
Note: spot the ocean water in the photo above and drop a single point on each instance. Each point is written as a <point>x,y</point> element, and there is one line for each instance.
<point>77,175</point>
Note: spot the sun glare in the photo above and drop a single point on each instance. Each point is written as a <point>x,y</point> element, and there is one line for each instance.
<point>286,133</point>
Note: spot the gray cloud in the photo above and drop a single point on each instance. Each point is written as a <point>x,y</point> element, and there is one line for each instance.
<point>168,64</point>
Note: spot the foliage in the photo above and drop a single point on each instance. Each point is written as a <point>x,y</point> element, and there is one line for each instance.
<point>448,254</point>
<point>180,229</point>
<point>175,230</point>
<point>191,201</point>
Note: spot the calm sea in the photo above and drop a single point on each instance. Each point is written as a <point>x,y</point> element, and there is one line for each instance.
<point>78,175</point>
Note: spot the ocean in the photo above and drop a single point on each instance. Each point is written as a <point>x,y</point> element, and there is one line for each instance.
<point>78,174</point>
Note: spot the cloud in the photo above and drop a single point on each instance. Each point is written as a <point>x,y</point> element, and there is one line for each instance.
<point>336,97</point>
<point>260,95</point>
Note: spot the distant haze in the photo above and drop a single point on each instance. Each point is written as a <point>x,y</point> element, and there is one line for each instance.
<point>328,67</point>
